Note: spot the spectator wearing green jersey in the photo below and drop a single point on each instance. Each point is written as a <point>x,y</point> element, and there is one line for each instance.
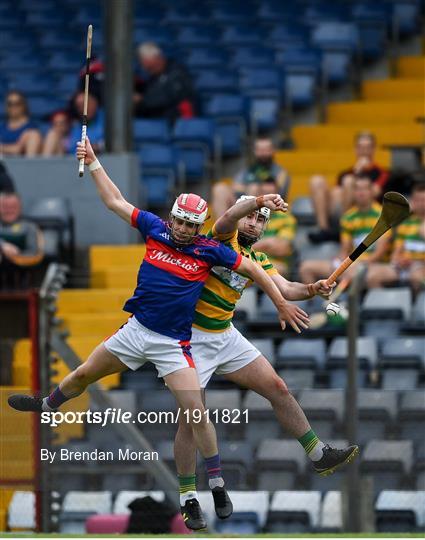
<point>408,256</point>
<point>250,180</point>
<point>278,237</point>
<point>355,225</point>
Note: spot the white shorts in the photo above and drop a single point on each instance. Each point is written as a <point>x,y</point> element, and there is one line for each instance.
<point>220,352</point>
<point>134,345</point>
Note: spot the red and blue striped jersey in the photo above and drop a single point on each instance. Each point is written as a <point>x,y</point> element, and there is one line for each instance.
<point>171,278</point>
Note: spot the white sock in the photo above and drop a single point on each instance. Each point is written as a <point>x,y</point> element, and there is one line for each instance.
<point>317,453</point>
<point>45,407</point>
<point>186,496</point>
<point>216,482</point>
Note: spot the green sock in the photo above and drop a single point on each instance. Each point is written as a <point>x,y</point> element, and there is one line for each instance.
<point>187,487</point>
<point>312,445</point>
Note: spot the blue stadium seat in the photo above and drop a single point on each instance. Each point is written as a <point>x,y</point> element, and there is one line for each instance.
<point>294,511</point>
<point>157,188</point>
<point>151,131</point>
<point>68,61</point>
<point>405,352</point>
<point>252,57</point>
<point>147,14</point>
<point>215,81</point>
<point>231,14</point>
<point>198,143</point>
<point>278,11</point>
<point>205,58</point>
<point>187,13</point>
<point>196,36</point>
<point>33,83</point>
<point>22,62</point>
<point>293,34</point>
<point>42,106</point>
<point>67,83</point>
<point>249,513</point>
<point>407,16</point>
<point>400,511</point>
<point>47,19</point>
<point>230,113</point>
<point>389,462</point>
<point>301,352</point>
<point>53,39</point>
<point>159,35</point>
<point>241,35</point>
<point>88,14</point>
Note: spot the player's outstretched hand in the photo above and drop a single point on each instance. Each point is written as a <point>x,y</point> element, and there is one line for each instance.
<point>85,151</point>
<point>322,289</point>
<point>275,202</point>
<point>294,315</point>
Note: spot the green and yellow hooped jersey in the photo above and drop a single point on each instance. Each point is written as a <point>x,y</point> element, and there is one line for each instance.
<point>409,237</point>
<point>224,287</point>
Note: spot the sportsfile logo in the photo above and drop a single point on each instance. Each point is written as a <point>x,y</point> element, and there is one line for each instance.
<point>157,255</point>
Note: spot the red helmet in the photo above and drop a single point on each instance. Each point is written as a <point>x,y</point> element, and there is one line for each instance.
<point>190,207</point>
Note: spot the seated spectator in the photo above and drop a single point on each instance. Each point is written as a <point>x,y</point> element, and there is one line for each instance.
<point>6,182</point>
<point>167,93</point>
<point>21,244</point>
<point>331,203</point>
<point>279,235</point>
<point>19,135</point>
<point>95,123</point>
<point>56,142</point>
<point>249,180</point>
<point>355,225</point>
<point>408,257</point>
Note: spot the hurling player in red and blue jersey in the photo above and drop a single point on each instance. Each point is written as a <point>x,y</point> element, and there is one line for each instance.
<point>170,280</point>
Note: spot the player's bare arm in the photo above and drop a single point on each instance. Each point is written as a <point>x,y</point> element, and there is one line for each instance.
<point>292,290</point>
<point>228,222</point>
<point>108,191</point>
<point>290,313</point>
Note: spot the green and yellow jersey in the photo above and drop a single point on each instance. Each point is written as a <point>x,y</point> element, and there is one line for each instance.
<point>408,236</point>
<point>223,288</point>
<point>356,224</point>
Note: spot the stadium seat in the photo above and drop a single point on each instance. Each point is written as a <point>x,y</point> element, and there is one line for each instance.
<point>266,347</point>
<point>412,416</point>
<point>199,145</point>
<point>302,208</point>
<point>388,462</point>
<point>387,304</point>
<point>297,379</point>
<point>213,81</point>
<point>223,399</point>
<point>337,362</point>
<point>248,302</point>
<point>301,352</point>
<point>252,57</point>
<point>418,311</point>
<point>236,458</point>
<point>294,511</point>
<point>22,510</point>
<point>380,329</point>
<point>151,131</point>
<point>331,515</point>
<point>321,252</point>
<point>196,36</point>
<point>404,352</point>
<point>400,511</point>
<point>205,58</point>
<point>278,463</point>
<point>399,379</point>
<point>237,35</point>
<point>282,36</point>
<point>249,513</point>
<point>77,506</point>
<point>377,410</point>
<point>262,419</point>
<point>326,408</point>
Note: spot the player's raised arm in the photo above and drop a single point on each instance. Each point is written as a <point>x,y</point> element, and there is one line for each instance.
<point>228,222</point>
<point>292,290</point>
<point>290,313</point>
<point>108,191</point>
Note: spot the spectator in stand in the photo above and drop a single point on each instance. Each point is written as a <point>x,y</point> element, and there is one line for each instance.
<point>279,235</point>
<point>331,203</point>
<point>56,142</point>
<point>355,224</point>
<point>95,123</point>
<point>408,257</point>
<point>19,135</point>
<point>249,181</point>
<point>6,182</point>
<point>21,244</point>
<point>167,93</point>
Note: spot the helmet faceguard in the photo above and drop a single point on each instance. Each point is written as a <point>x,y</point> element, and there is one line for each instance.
<point>189,208</point>
<point>248,231</point>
